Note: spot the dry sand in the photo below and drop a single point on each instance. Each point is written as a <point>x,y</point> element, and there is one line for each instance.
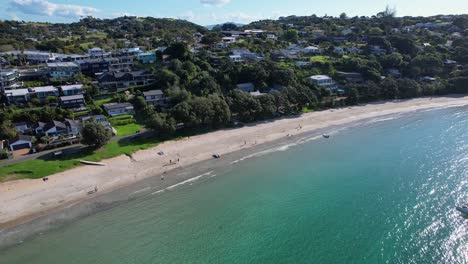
<point>23,200</point>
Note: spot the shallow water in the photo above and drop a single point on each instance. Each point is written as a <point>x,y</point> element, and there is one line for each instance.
<point>383,192</point>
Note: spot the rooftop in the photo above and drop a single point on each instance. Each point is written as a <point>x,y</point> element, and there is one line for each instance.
<point>111,106</point>
<point>320,77</point>
<point>17,92</point>
<point>72,87</point>
<point>62,64</point>
<point>153,92</point>
<point>42,89</point>
<point>71,97</point>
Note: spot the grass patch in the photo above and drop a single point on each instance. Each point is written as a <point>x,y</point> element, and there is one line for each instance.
<point>307,110</point>
<point>320,59</point>
<point>126,130</point>
<point>103,101</point>
<point>38,168</point>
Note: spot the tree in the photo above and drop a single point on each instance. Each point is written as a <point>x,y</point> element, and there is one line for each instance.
<point>291,35</point>
<point>211,38</point>
<point>95,134</point>
<point>178,50</point>
<point>6,130</point>
<point>353,97</point>
<point>162,123</point>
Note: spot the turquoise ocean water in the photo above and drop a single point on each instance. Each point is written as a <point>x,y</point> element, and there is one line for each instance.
<point>382,192</point>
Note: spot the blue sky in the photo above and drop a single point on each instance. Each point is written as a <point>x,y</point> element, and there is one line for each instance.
<point>205,12</point>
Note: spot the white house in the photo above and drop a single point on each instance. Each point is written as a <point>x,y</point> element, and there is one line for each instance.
<point>17,96</point>
<point>62,69</point>
<point>323,81</point>
<point>311,50</point>
<point>236,58</point>
<point>73,89</point>
<point>116,109</point>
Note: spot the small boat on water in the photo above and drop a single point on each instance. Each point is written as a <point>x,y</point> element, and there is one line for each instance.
<point>92,163</point>
<point>463,208</point>
<point>216,156</point>
<point>326,136</point>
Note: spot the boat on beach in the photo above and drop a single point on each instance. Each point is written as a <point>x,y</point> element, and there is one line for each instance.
<point>463,208</point>
<point>92,163</point>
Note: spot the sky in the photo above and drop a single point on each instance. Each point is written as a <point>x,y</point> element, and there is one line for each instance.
<point>208,12</point>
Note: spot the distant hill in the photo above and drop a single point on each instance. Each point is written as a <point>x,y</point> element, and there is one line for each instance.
<point>210,27</point>
<point>77,37</point>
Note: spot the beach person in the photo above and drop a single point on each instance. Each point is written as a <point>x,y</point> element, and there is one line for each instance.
<point>95,188</point>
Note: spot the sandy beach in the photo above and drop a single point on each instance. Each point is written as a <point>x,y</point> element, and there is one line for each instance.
<point>23,200</point>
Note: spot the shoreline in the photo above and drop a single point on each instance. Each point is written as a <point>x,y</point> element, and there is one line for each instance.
<point>35,206</point>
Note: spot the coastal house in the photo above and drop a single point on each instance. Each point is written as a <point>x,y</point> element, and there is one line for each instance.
<point>62,69</point>
<point>9,79</point>
<point>147,57</point>
<point>311,50</point>
<point>21,127</point>
<point>246,87</point>
<point>323,81</point>
<point>318,32</point>
<point>120,81</point>
<point>340,50</point>
<point>116,109</point>
<point>377,50</point>
<point>96,53</point>
<point>73,89</point>
<point>90,67</point>
<point>272,37</point>
<point>20,142</point>
<point>351,77</point>
<point>31,56</point>
<point>236,58</point>
<point>303,63</point>
<point>76,102</point>
<point>121,63</point>
<point>73,127</point>
<point>100,119</point>
<point>43,92</point>
<point>239,55</point>
<point>54,129</point>
<point>155,98</point>
<point>17,96</point>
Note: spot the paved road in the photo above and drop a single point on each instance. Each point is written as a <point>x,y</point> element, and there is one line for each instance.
<point>67,150</point>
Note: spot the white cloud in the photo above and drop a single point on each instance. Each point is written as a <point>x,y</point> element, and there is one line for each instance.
<point>215,2</point>
<point>46,8</point>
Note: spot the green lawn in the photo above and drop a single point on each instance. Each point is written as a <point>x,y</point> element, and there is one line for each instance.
<point>126,130</point>
<point>34,169</point>
<point>320,59</point>
<point>103,101</point>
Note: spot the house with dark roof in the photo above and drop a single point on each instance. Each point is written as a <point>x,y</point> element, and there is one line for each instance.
<point>76,102</point>
<point>115,109</point>
<point>90,67</point>
<point>351,77</point>
<point>155,98</point>
<point>20,142</point>
<point>55,129</point>
<point>246,87</point>
<point>120,81</point>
